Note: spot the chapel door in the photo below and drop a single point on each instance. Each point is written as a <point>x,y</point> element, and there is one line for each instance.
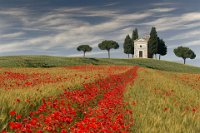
<point>140,54</point>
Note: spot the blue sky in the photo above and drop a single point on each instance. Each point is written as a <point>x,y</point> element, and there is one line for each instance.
<point>57,27</point>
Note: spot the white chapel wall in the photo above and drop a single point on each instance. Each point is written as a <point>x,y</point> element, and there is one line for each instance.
<point>140,45</point>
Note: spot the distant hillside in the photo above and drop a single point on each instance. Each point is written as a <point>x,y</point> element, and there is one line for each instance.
<point>52,61</point>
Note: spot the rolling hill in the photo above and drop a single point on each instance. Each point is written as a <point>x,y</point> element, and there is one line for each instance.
<point>55,61</point>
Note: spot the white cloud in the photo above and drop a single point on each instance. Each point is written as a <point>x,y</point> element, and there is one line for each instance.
<point>174,22</point>
<point>187,44</point>
<point>18,14</point>
<point>162,10</point>
<point>186,35</point>
<point>11,35</point>
<point>192,16</point>
<point>192,43</point>
<point>13,12</point>
<point>11,47</point>
<point>86,11</point>
<point>71,10</point>
<point>112,4</point>
<point>164,3</point>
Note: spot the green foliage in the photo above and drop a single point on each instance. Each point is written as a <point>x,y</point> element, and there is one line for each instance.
<point>162,48</point>
<point>128,46</point>
<point>135,34</point>
<point>184,52</point>
<point>152,43</point>
<point>107,45</point>
<point>84,48</point>
<point>134,37</point>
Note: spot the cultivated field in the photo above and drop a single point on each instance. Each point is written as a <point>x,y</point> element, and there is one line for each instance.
<point>165,102</point>
<point>101,98</point>
<point>61,99</point>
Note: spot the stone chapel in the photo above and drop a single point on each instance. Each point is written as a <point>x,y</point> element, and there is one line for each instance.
<point>141,47</point>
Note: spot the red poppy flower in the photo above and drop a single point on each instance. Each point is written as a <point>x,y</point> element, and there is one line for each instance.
<point>18,117</point>
<point>12,113</point>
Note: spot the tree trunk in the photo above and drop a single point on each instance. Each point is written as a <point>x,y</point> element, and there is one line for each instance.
<point>128,55</point>
<point>132,55</point>
<point>159,56</point>
<point>109,54</point>
<point>155,56</point>
<point>150,55</point>
<point>84,54</point>
<point>184,60</point>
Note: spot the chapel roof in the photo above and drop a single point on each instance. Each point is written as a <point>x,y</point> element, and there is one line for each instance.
<point>144,38</point>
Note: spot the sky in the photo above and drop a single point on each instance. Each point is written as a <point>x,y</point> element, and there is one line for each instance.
<point>57,27</point>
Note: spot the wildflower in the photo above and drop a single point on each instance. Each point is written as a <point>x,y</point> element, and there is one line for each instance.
<point>12,113</point>
<point>166,109</point>
<point>63,131</point>
<point>194,110</point>
<point>18,117</point>
<point>18,100</point>
<point>134,103</point>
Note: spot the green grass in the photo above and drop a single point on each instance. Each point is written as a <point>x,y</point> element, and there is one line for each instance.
<point>53,61</point>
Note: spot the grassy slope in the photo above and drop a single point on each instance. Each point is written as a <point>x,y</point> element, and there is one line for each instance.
<point>52,61</point>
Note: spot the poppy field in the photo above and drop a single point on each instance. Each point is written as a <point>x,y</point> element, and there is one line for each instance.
<point>101,98</point>
<point>67,99</point>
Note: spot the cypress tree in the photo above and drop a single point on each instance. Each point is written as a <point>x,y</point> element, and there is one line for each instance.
<point>134,37</point>
<point>135,34</point>
<point>128,47</point>
<point>152,43</point>
<point>162,48</point>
